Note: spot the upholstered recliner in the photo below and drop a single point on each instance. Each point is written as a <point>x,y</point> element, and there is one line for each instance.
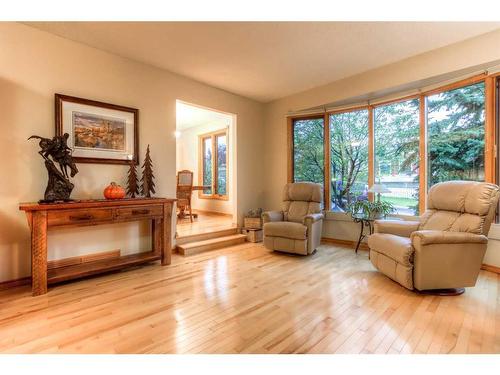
<point>297,228</point>
<point>445,248</point>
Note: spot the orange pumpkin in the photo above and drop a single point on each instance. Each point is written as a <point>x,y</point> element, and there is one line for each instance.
<point>114,191</point>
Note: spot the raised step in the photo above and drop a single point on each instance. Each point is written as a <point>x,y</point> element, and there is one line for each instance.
<point>207,236</point>
<point>192,248</point>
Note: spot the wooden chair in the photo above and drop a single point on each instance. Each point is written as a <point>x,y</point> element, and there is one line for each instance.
<point>184,192</point>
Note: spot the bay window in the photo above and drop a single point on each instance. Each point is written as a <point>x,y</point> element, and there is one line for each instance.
<point>407,145</point>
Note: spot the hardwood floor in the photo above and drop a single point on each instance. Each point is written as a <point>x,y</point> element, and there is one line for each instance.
<point>245,299</point>
<point>205,223</point>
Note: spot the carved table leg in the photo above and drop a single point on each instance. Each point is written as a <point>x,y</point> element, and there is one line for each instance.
<point>166,253</point>
<point>39,253</point>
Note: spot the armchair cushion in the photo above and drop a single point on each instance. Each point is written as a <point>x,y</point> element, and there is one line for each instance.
<point>296,210</point>
<point>396,227</point>
<point>395,247</point>
<point>428,237</point>
<point>469,223</point>
<point>461,206</point>
<point>438,220</point>
<point>463,196</point>
<point>285,229</point>
<point>302,191</point>
<point>301,199</point>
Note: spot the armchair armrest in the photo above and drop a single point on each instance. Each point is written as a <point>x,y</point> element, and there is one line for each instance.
<point>312,218</point>
<point>314,225</point>
<point>397,227</point>
<point>431,237</point>
<point>445,259</point>
<point>269,216</point>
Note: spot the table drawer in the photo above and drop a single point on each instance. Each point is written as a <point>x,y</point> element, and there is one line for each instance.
<point>79,217</point>
<point>137,212</point>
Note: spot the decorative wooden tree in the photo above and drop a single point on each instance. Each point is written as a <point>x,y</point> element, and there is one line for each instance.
<point>132,181</point>
<point>147,180</point>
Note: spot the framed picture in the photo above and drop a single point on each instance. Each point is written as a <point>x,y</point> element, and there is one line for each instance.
<point>98,132</point>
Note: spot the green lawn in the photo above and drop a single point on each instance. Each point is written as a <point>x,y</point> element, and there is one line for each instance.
<point>405,202</point>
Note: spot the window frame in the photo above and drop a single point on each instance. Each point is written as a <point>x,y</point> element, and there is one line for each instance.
<point>213,137</point>
<point>422,143</point>
<point>490,146</point>
<point>326,134</point>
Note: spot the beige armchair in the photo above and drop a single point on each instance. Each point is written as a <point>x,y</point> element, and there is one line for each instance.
<point>444,250</point>
<point>297,228</point>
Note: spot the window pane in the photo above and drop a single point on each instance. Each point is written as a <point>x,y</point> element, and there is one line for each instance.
<point>207,165</point>
<point>455,134</point>
<point>397,131</point>
<point>221,165</point>
<point>308,155</point>
<point>349,158</point>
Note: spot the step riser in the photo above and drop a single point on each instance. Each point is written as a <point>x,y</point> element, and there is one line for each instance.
<point>206,236</point>
<point>209,247</point>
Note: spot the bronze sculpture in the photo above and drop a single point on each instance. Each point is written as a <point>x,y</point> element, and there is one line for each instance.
<point>56,150</point>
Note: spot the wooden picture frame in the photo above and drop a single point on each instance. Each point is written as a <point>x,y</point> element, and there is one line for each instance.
<point>84,119</point>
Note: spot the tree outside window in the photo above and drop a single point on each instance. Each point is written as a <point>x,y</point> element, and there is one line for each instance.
<point>455,134</point>
<point>308,150</point>
<point>348,158</point>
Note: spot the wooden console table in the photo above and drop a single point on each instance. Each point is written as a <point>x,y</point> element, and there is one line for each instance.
<point>42,217</point>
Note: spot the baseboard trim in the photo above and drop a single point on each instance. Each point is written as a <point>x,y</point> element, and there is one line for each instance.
<point>345,243</point>
<point>490,268</point>
<point>4,285</point>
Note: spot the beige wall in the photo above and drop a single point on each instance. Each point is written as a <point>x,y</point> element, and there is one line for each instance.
<point>475,51</point>
<point>188,155</point>
<point>33,66</point>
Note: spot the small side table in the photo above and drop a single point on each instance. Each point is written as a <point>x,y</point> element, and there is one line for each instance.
<point>365,221</point>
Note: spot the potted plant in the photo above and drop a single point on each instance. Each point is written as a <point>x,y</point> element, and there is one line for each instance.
<point>373,210</point>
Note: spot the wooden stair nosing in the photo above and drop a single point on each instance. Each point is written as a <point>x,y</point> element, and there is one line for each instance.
<point>211,244</point>
<point>206,236</point>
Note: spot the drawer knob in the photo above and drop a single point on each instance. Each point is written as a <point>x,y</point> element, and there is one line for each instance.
<point>140,212</point>
<point>81,217</point>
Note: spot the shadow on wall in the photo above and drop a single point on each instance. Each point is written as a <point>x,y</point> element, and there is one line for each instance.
<point>14,247</point>
<point>23,113</point>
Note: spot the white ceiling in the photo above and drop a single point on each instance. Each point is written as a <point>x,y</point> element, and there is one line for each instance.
<point>188,116</point>
<point>267,60</point>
